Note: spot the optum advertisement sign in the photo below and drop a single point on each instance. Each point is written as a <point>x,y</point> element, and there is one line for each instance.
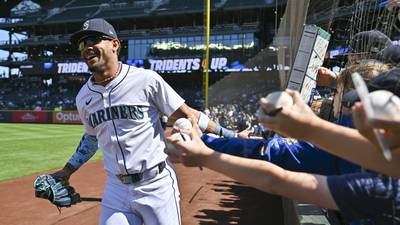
<point>66,117</point>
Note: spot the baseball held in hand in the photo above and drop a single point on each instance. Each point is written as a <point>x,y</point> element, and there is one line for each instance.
<point>276,100</point>
<point>170,148</point>
<point>182,124</point>
<point>384,104</point>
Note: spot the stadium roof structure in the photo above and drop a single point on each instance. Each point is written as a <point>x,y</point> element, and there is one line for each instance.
<point>48,24</point>
<point>70,11</point>
<point>6,6</point>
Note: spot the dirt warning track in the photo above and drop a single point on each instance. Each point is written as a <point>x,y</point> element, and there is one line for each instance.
<point>206,198</point>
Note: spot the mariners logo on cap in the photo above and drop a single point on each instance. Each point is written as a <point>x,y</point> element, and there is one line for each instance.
<point>85,25</point>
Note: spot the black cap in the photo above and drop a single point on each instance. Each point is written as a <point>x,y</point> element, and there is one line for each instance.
<point>391,54</point>
<point>94,26</point>
<point>389,81</point>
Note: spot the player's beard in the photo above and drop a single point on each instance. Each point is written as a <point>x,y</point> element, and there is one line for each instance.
<point>97,68</point>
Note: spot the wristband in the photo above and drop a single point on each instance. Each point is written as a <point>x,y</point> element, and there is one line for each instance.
<point>224,132</point>
<point>203,121</point>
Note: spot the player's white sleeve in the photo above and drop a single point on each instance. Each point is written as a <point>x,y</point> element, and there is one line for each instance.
<point>164,96</point>
<point>88,129</point>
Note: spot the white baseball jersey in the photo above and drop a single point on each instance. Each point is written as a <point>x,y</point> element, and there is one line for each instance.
<point>124,116</point>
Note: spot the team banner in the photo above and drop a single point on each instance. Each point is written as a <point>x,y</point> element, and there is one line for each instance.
<point>66,117</point>
<point>170,65</point>
<point>29,117</point>
<point>52,68</point>
<point>217,64</point>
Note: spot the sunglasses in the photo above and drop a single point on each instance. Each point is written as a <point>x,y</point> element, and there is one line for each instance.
<point>91,40</point>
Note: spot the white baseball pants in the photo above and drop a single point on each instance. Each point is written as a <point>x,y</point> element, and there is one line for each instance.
<point>150,202</point>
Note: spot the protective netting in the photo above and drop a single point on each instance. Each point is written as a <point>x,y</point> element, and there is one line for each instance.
<point>372,15</point>
<point>351,23</point>
<point>371,26</point>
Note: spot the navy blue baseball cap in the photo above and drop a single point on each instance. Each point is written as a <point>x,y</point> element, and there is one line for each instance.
<point>96,26</point>
<point>389,81</point>
<point>391,54</point>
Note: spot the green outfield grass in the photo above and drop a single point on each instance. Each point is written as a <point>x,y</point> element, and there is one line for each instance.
<point>31,148</point>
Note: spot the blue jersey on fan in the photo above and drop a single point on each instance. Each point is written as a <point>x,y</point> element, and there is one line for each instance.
<point>287,153</point>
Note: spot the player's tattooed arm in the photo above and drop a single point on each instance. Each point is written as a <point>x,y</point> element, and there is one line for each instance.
<point>85,150</point>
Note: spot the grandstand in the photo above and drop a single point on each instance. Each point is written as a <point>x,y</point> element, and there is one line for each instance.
<point>242,33</point>
<point>238,30</point>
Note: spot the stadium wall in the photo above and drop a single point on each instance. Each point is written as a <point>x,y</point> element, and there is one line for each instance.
<point>50,117</point>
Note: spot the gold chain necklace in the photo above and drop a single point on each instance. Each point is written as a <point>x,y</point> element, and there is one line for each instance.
<point>108,78</point>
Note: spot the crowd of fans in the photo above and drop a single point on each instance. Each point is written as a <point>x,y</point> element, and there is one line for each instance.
<point>236,116</point>
<point>234,103</point>
<point>28,93</point>
<point>291,164</point>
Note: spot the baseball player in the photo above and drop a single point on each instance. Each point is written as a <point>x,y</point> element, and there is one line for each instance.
<point>120,107</point>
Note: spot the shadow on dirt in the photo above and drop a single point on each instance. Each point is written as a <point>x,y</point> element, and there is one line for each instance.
<point>253,207</point>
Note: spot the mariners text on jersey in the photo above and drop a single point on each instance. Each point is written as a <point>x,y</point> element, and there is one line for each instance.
<point>132,112</point>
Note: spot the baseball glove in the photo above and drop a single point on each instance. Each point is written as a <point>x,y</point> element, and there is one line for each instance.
<point>56,190</point>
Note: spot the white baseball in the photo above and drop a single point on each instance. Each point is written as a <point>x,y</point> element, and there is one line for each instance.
<point>176,136</point>
<point>180,124</point>
<point>384,103</point>
<point>277,100</point>
<point>183,124</point>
